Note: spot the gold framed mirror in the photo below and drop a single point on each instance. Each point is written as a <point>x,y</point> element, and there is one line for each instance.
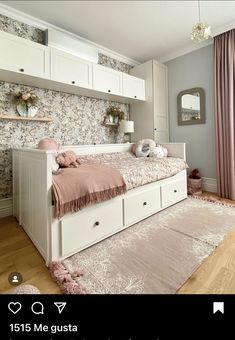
<point>191,106</point>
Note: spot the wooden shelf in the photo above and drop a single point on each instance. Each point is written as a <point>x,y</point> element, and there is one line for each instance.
<point>36,119</point>
<point>110,124</point>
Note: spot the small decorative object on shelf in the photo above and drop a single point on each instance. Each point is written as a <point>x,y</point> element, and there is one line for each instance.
<point>106,122</point>
<point>114,115</point>
<point>194,182</point>
<point>26,103</point>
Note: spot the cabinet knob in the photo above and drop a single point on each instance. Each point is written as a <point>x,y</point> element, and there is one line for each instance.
<point>21,70</point>
<point>73,82</point>
<point>145,203</point>
<point>109,90</point>
<point>135,96</point>
<point>155,129</point>
<point>175,190</point>
<point>97,223</point>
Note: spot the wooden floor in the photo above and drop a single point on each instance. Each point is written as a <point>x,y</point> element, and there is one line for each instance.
<point>17,253</point>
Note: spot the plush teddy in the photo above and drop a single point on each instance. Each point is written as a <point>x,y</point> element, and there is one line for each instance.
<point>68,159</point>
<point>156,152</point>
<point>165,151</point>
<point>195,174</point>
<point>142,148</point>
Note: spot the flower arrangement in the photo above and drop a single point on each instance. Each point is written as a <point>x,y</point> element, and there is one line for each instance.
<point>25,98</point>
<point>115,114</point>
<point>26,103</point>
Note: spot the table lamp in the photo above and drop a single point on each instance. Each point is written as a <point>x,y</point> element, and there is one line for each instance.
<point>126,127</point>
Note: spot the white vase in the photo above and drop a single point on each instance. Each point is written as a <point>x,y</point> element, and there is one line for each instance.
<point>32,111</point>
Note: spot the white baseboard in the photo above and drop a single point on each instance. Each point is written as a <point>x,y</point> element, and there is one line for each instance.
<point>6,207</point>
<point>209,184</point>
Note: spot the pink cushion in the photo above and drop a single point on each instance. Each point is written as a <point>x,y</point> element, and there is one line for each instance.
<point>48,144</point>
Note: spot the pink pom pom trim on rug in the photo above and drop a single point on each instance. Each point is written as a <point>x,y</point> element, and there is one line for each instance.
<point>65,280</point>
<point>212,199</point>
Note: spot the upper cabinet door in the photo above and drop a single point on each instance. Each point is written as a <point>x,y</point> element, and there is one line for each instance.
<point>107,80</point>
<point>23,56</point>
<point>133,87</point>
<point>69,69</point>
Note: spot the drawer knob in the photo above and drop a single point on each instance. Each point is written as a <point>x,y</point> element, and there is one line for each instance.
<point>73,82</point>
<point>109,90</point>
<point>175,190</point>
<point>97,223</point>
<point>135,96</point>
<point>145,203</point>
<point>21,70</point>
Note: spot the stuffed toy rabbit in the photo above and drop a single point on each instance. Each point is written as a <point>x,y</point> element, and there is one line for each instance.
<point>68,159</point>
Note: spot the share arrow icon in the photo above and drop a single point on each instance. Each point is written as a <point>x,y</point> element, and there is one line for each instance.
<point>60,306</point>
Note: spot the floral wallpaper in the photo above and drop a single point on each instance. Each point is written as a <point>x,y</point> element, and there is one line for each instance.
<point>113,63</point>
<point>22,30</point>
<point>75,119</point>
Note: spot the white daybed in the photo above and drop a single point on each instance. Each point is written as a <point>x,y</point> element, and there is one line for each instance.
<point>57,239</point>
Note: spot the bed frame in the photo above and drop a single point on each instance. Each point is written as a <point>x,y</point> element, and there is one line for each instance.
<point>57,239</point>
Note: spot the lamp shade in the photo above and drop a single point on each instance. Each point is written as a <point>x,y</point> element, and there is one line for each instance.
<point>127,126</point>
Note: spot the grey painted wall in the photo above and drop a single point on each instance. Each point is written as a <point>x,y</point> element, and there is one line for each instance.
<point>194,70</point>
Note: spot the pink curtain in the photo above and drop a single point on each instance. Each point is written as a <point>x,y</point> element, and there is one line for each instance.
<point>224,90</point>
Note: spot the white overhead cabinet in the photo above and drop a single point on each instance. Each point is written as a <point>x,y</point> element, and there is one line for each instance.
<point>23,56</point>
<point>107,80</point>
<point>151,116</point>
<point>133,87</point>
<point>69,69</point>
<point>26,62</point>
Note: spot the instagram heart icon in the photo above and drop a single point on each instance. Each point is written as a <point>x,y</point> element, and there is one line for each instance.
<point>14,307</point>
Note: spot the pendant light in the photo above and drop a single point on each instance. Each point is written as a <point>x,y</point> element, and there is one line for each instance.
<point>201,31</point>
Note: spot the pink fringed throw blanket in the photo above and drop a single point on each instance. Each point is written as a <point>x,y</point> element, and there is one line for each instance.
<point>75,188</point>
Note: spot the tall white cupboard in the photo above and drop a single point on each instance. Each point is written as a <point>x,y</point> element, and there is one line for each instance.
<point>151,117</point>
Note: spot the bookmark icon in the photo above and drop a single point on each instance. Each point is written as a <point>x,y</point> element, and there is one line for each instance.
<point>60,306</point>
<point>218,307</point>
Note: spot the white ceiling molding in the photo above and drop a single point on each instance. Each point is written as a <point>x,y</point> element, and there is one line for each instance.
<point>43,25</point>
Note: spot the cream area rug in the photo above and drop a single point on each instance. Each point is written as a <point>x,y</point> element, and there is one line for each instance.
<point>156,255</point>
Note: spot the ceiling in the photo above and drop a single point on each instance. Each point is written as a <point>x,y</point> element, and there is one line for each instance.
<point>140,30</point>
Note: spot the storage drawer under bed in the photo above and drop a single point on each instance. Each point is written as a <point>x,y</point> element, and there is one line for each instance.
<point>173,192</point>
<point>90,225</point>
<point>140,205</point>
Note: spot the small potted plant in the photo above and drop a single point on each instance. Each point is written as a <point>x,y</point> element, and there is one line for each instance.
<point>194,182</point>
<point>26,103</point>
<point>115,114</point>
